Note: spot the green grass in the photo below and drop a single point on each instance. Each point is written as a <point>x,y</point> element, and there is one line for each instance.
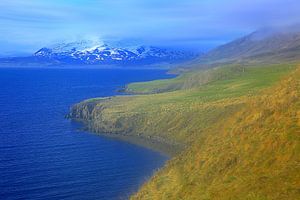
<point>198,78</point>
<point>239,125</point>
<point>156,86</point>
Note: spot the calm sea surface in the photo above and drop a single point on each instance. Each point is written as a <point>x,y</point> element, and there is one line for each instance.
<point>45,156</point>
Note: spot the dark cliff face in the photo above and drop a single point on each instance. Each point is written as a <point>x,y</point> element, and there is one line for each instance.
<point>82,111</point>
<point>92,114</point>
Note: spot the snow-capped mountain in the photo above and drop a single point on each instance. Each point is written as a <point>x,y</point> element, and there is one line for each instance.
<point>86,52</point>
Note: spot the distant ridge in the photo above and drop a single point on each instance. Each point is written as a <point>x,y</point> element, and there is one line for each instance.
<point>272,45</point>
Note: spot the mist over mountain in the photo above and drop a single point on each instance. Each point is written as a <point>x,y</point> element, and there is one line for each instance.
<point>267,44</point>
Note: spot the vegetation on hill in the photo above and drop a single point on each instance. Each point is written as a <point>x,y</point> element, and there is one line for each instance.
<point>239,124</point>
<point>251,152</point>
<point>196,78</point>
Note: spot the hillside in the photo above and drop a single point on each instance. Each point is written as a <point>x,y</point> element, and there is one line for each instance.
<point>190,79</point>
<point>251,151</point>
<point>232,118</point>
<point>268,45</point>
<point>239,127</point>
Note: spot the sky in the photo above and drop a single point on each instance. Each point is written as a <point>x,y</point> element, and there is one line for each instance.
<point>27,25</point>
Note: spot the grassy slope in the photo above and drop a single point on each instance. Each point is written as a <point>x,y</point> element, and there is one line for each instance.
<point>178,116</point>
<point>242,141</point>
<point>253,153</point>
<point>198,78</point>
<point>185,81</point>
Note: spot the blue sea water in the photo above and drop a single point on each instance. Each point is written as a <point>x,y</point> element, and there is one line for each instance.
<point>45,156</point>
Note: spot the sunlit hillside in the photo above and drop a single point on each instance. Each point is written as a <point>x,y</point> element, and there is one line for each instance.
<point>251,151</point>
<point>239,127</point>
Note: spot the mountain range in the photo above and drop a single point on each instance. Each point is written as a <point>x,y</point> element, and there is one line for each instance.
<point>91,53</point>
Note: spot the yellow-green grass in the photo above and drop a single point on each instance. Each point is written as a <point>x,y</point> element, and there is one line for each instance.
<point>250,154</point>
<point>240,128</point>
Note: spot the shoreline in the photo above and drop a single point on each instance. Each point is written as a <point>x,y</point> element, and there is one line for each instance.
<point>167,149</point>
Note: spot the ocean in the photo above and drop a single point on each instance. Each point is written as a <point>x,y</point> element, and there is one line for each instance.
<point>43,155</point>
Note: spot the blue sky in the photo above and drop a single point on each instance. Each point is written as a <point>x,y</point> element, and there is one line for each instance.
<point>26,25</point>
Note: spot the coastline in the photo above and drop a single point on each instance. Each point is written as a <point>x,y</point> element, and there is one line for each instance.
<point>164,148</point>
<point>158,145</point>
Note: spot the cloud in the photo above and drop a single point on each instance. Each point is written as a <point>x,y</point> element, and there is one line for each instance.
<point>260,13</point>
<point>34,23</point>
